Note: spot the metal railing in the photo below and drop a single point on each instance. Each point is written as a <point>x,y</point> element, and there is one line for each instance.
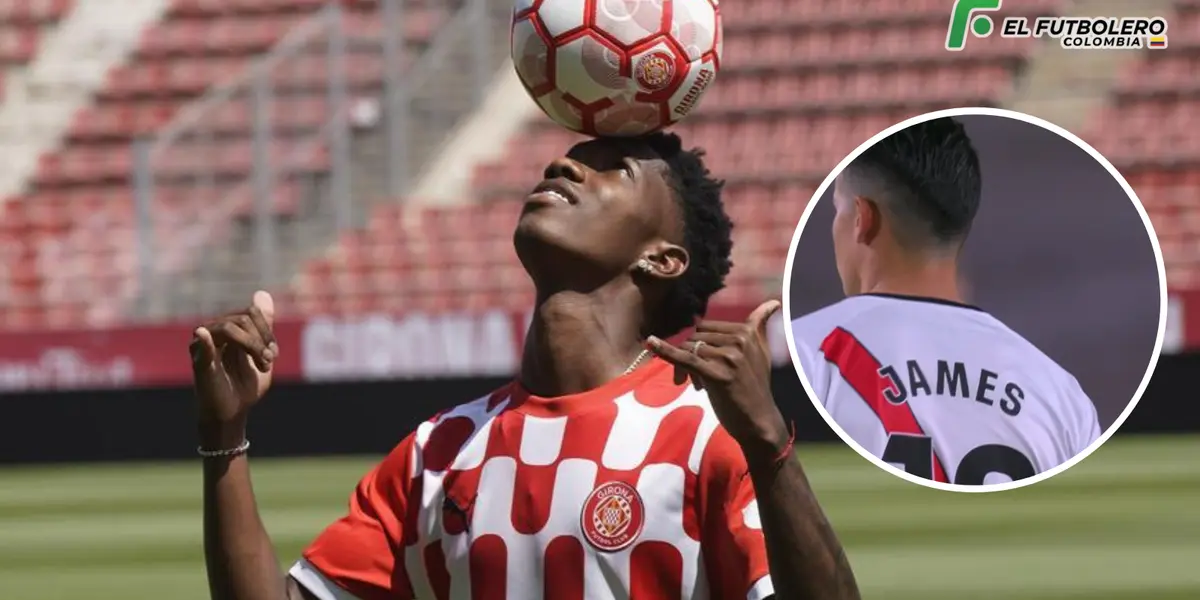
<point>266,168</point>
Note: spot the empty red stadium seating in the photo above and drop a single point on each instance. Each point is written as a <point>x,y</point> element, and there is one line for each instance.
<point>803,84</point>
<point>1148,131</point>
<point>81,202</point>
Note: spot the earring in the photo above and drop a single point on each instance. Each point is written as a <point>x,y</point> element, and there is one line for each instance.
<point>643,265</point>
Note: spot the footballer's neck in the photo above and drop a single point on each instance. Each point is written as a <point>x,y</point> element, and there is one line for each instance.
<point>580,341</point>
<point>925,276</point>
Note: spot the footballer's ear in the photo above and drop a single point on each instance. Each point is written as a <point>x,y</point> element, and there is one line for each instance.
<point>663,260</point>
<point>868,219</point>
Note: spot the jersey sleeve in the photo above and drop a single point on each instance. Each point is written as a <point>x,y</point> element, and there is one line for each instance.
<point>360,556</point>
<point>815,367</point>
<point>1087,426</point>
<point>732,542</point>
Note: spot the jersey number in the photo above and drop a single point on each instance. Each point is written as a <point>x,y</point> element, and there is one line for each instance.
<point>915,452</point>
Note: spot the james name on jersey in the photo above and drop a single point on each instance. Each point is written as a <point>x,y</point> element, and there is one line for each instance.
<point>951,381</point>
<point>942,390</point>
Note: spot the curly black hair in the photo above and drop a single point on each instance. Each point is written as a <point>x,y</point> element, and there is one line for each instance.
<point>707,234</point>
<point>927,176</point>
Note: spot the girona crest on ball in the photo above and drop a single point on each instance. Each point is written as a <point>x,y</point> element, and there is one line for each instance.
<point>613,516</point>
<point>616,67</point>
<point>654,71</point>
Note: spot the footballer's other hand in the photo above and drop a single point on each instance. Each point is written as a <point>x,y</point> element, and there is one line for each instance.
<point>231,364</point>
<point>732,362</point>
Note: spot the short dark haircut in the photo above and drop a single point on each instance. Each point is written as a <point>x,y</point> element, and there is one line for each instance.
<point>707,234</point>
<point>927,177</point>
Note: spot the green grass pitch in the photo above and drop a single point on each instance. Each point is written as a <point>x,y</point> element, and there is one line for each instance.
<point>1123,524</point>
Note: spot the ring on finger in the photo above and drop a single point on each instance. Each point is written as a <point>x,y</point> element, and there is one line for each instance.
<point>696,347</point>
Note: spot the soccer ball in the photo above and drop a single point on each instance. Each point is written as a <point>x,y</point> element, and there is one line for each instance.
<point>616,67</point>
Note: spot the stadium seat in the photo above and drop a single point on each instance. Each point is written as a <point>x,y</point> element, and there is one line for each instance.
<point>21,25</point>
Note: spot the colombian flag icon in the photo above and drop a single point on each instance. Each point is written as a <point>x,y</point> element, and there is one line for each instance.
<point>1158,41</point>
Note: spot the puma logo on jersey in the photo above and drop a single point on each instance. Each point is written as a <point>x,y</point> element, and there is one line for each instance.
<point>950,380</point>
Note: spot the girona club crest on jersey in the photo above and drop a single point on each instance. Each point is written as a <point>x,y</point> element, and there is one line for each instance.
<point>613,516</point>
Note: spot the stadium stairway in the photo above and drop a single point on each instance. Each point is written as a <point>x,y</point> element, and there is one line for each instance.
<point>81,41</point>
<point>23,25</point>
<point>1065,86</point>
<point>481,139</point>
<point>440,100</point>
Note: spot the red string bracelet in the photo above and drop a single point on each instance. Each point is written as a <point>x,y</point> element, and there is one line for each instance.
<point>788,449</point>
<point>783,456</point>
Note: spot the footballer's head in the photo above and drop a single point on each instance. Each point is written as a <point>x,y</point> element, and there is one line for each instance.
<point>643,213</point>
<point>910,197</point>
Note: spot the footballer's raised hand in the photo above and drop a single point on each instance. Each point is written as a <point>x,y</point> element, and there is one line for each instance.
<point>231,368</point>
<point>732,361</point>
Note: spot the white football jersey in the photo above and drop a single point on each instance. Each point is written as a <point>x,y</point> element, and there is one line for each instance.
<point>943,390</point>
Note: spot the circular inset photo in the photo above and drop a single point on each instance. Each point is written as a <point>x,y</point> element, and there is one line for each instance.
<point>976,299</point>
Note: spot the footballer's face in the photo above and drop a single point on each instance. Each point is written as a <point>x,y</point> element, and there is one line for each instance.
<point>598,210</point>
<point>846,251</point>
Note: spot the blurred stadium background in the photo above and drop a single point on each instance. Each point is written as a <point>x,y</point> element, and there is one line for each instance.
<point>162,159</point>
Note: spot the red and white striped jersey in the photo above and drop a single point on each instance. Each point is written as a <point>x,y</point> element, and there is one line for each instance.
<point>632,490</point>
<point>942,390</point>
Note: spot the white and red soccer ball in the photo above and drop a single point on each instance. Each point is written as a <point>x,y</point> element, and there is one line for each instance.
<point>616,67</point>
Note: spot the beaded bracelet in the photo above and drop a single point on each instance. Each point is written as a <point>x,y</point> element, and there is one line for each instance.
<point>238,450</point>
